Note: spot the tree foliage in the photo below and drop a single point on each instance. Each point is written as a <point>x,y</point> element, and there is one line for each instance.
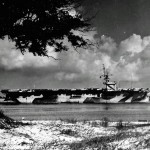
<point>35,24</point>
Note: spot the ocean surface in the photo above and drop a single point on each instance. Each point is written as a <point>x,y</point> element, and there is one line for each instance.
<point>114,112</point>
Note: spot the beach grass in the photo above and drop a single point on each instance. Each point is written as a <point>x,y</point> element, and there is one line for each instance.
<point>69,120</point>
<point>104,142</point>
<point>69,132</point>
<point>6,122</point>
<point>73,134</point>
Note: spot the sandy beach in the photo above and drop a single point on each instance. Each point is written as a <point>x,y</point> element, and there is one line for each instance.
<point>73,135</point>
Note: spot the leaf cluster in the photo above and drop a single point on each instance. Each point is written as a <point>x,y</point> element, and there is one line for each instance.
<point>35,24</point>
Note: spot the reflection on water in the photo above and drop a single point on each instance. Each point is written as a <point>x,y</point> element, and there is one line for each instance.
<point>128,112</point>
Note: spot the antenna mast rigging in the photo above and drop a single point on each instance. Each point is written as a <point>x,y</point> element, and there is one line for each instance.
<point>106,76</point>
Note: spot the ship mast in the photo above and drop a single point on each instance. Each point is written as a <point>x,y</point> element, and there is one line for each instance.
<point>106,77</point>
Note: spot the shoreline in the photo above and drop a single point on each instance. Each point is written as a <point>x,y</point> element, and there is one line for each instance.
<point>71,134</point>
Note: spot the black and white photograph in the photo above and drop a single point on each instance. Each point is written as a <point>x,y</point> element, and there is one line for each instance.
<point>74,74</point>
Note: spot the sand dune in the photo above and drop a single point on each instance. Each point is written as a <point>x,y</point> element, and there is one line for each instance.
<point>62,135</point>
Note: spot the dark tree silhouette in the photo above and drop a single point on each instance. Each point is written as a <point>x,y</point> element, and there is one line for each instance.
<point>35,24</point>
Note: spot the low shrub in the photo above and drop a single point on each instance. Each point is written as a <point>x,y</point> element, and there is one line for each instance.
<point>120,125</point>
<point>1,114</point>
<point>71,120</point>
<point>84,121</point>
<point>105,122</point>
<point>7,122</point>
<point>69,132</point>
<point>94,143</point>
<point>94,124</point>
<point>103,142</point>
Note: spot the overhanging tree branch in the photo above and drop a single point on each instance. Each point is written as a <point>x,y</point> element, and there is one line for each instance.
<point>35,24</point>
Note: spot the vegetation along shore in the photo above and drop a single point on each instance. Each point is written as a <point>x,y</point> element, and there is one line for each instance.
<point>71,134</point>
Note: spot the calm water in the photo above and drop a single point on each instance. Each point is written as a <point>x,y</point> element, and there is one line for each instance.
<point>128,112</point>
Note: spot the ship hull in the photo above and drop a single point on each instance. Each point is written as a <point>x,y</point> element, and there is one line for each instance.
<point>91,96</point>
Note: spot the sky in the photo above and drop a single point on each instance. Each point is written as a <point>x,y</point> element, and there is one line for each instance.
<point>121,29</point>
